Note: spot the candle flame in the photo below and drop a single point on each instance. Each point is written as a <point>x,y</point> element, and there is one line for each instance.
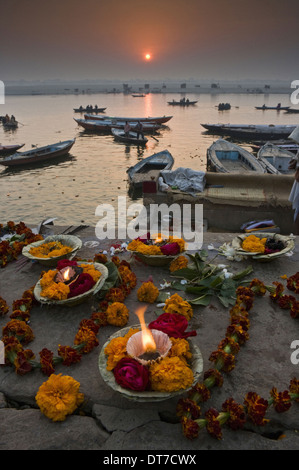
<point>66,274</point>
<point>148,341</point>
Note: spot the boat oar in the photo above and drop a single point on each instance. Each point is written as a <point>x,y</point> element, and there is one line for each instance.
<point>155,138</point>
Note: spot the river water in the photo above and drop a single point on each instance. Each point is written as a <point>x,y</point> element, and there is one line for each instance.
<point>95,171</point>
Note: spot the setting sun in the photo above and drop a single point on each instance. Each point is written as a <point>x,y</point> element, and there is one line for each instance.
<point>148,56</point>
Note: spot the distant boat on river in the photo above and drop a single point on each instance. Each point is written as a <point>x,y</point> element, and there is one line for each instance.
<point>276,108</point>
<point>128,138</point>
<point>38,155</point>
<point>89,109</point>
<point>182,102</point>
<point>9,149</point>
<point>226,157</point>
<point>251,131</point>
<point>107,124</point>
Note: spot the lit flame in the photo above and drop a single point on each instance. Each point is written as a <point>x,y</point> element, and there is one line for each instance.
<point>148,341</point>
<point>66,274</point>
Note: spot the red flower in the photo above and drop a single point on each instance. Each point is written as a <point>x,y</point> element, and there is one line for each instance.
<point>83,284</point>
<point>130,374</point>
<point>170,249</point>
<point>173,324</point>
<point>46,361</point>
<point>63,263</point>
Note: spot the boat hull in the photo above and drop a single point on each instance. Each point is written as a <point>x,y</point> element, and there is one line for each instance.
<point>9,149</point>
<point>250,132</point>
<point>150,166</point>
<point>39,155</point>
<point>107,125</point>
<point>157,120</point>
<point>119,135</point>
<point>225,157</point>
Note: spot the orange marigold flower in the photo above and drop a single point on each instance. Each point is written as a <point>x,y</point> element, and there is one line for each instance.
<point>87,339</point>
<point>170,375</point>
<point>295,309</point>
<point>241,320</point>
<point>178,263</point>
<point>286,301</point>
<point>115,259</point>
<point>3,307</point>
<point>278,290</point>
<point>180,348</point>
<point>89,323</point>
<point>20,315</point>
<point>58,397</point>
<point>223,360</point>
<point>100,258</point>
<point>215,375</point>
<point>175,304</point>
<point>22,363</point>
<point>258,287</point>
<point>117,314</point>
<point>293,283</point>
<point>69,355</point>
<point>100,318</point>
<point>116,350</point>
<point>199,392</point>
<point>190,428</point>
<point>237,416</point>
<point>11,348</point>
<point>256,408</point>
<point>281,400</point>
<point>115,294</point>
<point>148,292</point>
<point>237,331</point>
<point>186,406</point>
<point>22,304</point>
<point>20,330</point>
<point>294,387</point>
<point>213,425</point>
<point>46,361</point>
<point>230,343</point>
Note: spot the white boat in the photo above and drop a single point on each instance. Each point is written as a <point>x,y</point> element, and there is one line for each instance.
<point>149,167</point>
<point>275,159</point>
<point>226,157</point>
<point>128,138</point>
<point>157,120</point>
<point>39,155</point>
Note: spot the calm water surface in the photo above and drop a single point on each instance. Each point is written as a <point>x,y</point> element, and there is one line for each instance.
<point>95,171</point>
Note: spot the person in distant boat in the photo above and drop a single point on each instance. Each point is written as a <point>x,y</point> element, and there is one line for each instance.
<point>12,119</point>
<point>127,129</point>
<point>294,194</point>
<point>6,119</point>
<point>139,130</point>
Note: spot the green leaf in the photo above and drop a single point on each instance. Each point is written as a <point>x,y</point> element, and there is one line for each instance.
<point>186,273</point>
<point>204,300</point>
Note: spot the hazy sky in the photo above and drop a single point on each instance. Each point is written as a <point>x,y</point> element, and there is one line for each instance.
<point>108,39</point>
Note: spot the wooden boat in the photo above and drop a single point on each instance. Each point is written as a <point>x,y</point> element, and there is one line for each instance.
<point>282,144</point>
<point>292,111</point>
<point>157,120</point>
<point>224,106</point>
<point>182,102</point>
<point>138,95</point>
<point>106,125</point>
<point>89,110</point>
<point>276,108</point>
<point>9,149</point>
<point>149,167</point>
<point>251,131</point>
<point>226,157</point>
<point>38,155</point>
<point>275,159</point>
<point>10,124</point>
<point>131,138</point>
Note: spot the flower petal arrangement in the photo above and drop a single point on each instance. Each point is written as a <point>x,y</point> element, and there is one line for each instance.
<point>156,251</point>
<point>87,278</point>
<point>263,246</point>
<point>52,249</point>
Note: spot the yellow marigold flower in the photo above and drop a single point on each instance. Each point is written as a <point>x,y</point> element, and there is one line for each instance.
<point>178,263</point>
<point>180,348</point>
<point>148,292</point>
<point>90,269</point>
<point>116,350</point>
<point>117,314</point>
<point>170,375</point>
<point>87,338</point>
<point>59,396</point>
<point>254,244</point>
<point>48,278</point>
<point>56,291</point>
<point>175,304</point>
<point>50,250</point>
<point>131,332</point>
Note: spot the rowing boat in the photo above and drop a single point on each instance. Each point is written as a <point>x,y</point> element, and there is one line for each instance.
<point>9,149</point>
<point>89,110</point>
<point>182,103</point>
<point>128,138</point>
<point>157,120</point>
<point>274,108</point>
<point>251,131</point>
<point>107,124</point>
<point>40,154</point>
<point>149,167</point>
<point>226,157</point>
<point>275,159</point>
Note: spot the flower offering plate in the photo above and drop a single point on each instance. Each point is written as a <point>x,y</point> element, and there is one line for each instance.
<point>154,260</point>
<point>68,240</point>
<point>146,396</point>
<point>79,298</point>
<point>286,240</point>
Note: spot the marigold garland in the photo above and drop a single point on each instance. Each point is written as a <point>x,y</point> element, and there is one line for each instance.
<point>176,304</point>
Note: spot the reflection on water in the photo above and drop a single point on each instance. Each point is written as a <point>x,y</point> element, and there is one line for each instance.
<point>95,171</point>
